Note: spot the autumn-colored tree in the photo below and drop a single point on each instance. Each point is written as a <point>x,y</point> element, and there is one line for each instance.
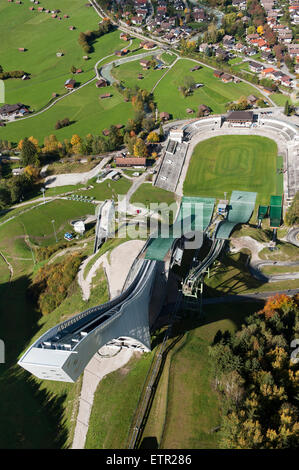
<point>140,148</point>
<point>153,137</point>
<point>76,143</point>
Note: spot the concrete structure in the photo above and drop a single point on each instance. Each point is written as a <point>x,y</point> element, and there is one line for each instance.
<point>105,214</point>
<point>63,352</point>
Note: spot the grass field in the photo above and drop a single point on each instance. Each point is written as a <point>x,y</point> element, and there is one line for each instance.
<point>107,189</point>
<point>186,407</point>
<point>214,93</point>
<point>146,194</point>
<point>115,402</point>
<point>128,73</point>
<point>85,110</point>
<point>227,163</point>
<point>20,27</point>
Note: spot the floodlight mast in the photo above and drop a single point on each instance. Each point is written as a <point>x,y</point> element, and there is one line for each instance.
<point>54,230</point>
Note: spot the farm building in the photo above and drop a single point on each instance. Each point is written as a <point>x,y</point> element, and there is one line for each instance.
<point>125,37</point>
<point>106,95</point>
<point>145,63</point>
<point>22,49</point>
<point>72,28</point>
<point>147,45</point>
<point>252,99</point>
<point>70,84</point>
<point>164,116</point>
<point>101,83</point>
<point>226,78</point>
<point>217,74</point>
<point>10,109</point>
<point>204,110</point>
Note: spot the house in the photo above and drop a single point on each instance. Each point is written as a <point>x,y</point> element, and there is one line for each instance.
<point>145,63</point>
<point>217,73</point>
<point>101,83</point>
<point>79,71</point>
<point>125,37</point>
<point>106,132</point>
<point>240,4</point>
<point>293,50</point>
<point>164,116</point>
<point>147,45</point>
<point>204,110</point>
<point>255,66</point>
<point>239,47</point>
<point>252,99</point>
<point>17,171</point>
<point>226,78</point>
<point>228,41</point>
<point>130,161</point>
<point>203,47</point>
<point>267,56</point>
<point>269,73</point>
<point>70,84</point>
<point>250,51</point>
<point>10,109</point>
<point>189,111</point>
<point>59,54</point>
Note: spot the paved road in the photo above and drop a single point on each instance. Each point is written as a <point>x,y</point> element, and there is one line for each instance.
<point>76,178</point>
<point>248,297</point>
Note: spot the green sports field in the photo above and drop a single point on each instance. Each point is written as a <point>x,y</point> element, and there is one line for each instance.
<point>227,163</point>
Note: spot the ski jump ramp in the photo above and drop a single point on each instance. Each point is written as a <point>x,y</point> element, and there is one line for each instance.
<point>63,352</point>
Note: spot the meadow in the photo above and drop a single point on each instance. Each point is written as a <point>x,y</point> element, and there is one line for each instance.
<point>20,27</point>
<point>85,110</point>
<point>214,93</point>
<point>226,163</point>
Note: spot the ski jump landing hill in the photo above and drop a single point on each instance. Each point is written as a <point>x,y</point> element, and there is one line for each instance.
<point>63,352</point>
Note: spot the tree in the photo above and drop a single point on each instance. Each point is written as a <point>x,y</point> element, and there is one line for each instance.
<point>287,108</point>
<point>140,148</point>
<point>76,141</point>
<point>29,154</point>
<point>292,215</point>
<point>153,137</point>
<point>73,69</point>
<point>260,30</point>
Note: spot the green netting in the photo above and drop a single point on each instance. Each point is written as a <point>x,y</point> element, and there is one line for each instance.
<point>194,215</point>
<point>262,212</point>
<point>241,206</point>
<point>275,211</point>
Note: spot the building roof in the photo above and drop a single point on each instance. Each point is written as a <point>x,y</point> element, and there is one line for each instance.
<point>240,116</point>
<point>134,161</point>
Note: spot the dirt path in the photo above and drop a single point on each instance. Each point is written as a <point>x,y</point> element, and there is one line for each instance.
<point>9,266</point>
